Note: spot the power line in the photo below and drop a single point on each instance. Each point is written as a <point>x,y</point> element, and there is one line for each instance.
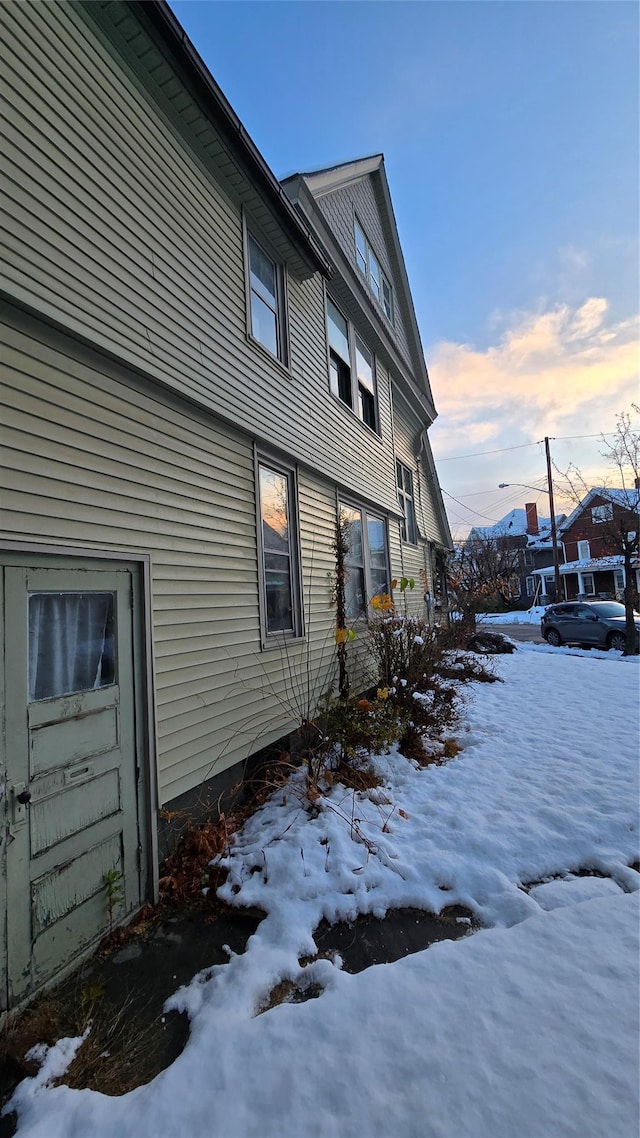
<point>492,489</point>
<point>522,446</point>
<point>500,501</point>
<point>478,454</point>
<point>568,438</point>
<point>476,513</point>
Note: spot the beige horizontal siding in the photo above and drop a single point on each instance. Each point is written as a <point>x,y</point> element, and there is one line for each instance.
<point>116,231</point>
<point>406,429</point>
<point>90,459</point>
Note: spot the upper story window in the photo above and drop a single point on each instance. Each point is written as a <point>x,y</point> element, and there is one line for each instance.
<point>409,530</point>
<point>602,513</point>
<point>280,580</point>
<point>584,551</point>
<point>351,368</point>
<point>266,306</point>
<point>367,561</point>
<point>369,266</point>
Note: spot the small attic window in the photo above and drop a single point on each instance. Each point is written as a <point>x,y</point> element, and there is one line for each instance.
<point>369,266</point>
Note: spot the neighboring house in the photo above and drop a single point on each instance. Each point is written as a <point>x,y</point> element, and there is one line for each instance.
<point>594,563</point>
<point>198,374</point>
<point>529,539</point>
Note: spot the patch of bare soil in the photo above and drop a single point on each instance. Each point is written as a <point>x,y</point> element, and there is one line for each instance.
<point>121,993</point>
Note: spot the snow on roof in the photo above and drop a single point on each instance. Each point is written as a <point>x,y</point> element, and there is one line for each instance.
<point>592,563</point>
<point>514,524</point>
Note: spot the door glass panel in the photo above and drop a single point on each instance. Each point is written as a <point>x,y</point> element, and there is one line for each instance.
<point>71,643</point>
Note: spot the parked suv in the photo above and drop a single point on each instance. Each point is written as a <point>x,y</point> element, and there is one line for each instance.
<point>598,624</point>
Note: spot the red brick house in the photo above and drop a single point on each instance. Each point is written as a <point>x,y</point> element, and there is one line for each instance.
<point>594,562</point>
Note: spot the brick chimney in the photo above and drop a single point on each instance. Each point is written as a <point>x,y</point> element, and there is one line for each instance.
<point>533,528</point>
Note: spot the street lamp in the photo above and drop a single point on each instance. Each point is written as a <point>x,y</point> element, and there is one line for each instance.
<point>552,509</point>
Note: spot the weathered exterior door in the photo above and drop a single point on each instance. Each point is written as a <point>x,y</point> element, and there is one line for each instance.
<point>71,766</point>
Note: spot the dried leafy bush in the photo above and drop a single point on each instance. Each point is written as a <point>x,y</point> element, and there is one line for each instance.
<point>424,670</point>
<point>356,727</point>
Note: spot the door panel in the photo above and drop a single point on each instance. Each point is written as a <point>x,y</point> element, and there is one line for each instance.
<point>71,750</point>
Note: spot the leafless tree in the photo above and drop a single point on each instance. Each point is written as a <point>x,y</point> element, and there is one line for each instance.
<point>480,568</point>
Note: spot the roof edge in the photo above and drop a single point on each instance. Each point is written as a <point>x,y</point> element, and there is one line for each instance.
<point>166,24</point>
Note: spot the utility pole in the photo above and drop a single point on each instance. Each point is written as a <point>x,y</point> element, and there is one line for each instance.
<point>554,538</point>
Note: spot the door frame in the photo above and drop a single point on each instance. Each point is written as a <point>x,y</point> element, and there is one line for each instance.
<point>41,555</point>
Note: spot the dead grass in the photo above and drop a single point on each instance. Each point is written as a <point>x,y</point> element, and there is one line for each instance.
<point>290,992</point>
<point>119,1053</point>
<point>354,777</point>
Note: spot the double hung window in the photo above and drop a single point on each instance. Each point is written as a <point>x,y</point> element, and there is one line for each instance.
<point>584,551</point>
<point>367,561</point>
<point>409,529</point>
<point>351,368</point>
<point>280,581</point>
<point>266,309</point>
<point>602,513</point>
<point>369,266</point>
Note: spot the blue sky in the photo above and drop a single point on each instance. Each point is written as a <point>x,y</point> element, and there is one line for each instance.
<point>510,135</point>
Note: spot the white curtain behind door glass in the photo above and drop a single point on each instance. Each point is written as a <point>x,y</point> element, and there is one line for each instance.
<point>71,645</point>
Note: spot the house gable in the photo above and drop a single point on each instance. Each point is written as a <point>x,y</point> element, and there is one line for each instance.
<point>587,524</point>
<point>358,192</point>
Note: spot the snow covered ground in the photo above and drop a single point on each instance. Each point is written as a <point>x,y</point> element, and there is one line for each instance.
<point>527,1028</point>
<point>518,616</point>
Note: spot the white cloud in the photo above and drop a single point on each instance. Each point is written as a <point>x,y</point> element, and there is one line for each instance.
<point>565,371</point>
<point>559,371</point>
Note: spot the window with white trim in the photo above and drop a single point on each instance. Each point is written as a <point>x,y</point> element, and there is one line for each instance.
<point>408,527</point>
<point>351,368</point>
<point>618,580</point>
<point>602,513</point>
<point>367,561</point>
<point>531,586</point>
<point>266,300</point>
<point>584,551</point>
<point>280,593</point>
<point>370,268</point>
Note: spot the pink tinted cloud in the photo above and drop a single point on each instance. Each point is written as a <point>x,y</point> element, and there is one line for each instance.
<point>558,371</point>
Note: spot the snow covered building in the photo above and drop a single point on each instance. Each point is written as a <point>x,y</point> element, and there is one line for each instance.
<point>529,537</point>
<point>201,367</point>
